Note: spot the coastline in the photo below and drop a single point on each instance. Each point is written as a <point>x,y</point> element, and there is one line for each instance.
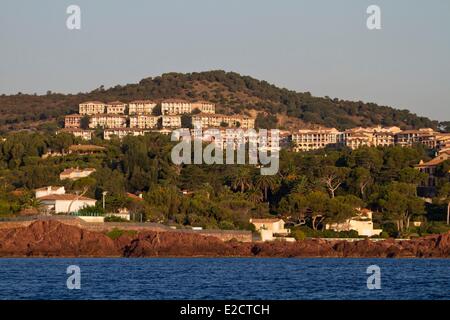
<point>53,239</point>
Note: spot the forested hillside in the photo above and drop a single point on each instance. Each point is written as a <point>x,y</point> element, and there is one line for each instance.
<point>231,92</point>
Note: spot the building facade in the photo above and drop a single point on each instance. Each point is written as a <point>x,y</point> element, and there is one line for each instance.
<point>91,107</point>
<point>144,121</point>
<point>175,107</point>
<point>107,121</point>
<point>116,107</point>
<point>66,203</point>
<point>120,133</point>
<point>79,133</point>
<point>141,107</point>
<point>171,121</point>
<point>45,191</point>
<point>307,140</point>
<point>204,107</point>
<point>205,120</point>
<point>72,121</point>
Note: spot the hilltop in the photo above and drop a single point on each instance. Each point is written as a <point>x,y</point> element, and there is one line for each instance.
<point>233,93</point>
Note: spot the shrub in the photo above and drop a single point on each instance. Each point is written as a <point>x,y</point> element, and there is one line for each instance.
<point>298,235</point>
<point>115,219</point>
<point>117,233</point>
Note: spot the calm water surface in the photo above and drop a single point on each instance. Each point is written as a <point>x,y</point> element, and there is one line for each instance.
<point>227,278</point>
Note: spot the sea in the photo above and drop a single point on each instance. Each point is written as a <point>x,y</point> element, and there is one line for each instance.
<point>224,279</point>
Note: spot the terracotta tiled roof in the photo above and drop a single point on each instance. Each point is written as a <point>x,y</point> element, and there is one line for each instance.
<point>142,101</point>
<point>52,188</point>
<point>134,197</point>
<point>436,161</point>
<point>74,130</point>
<point>66,196</point>
<point>92,102</point>
<point>86,147</point>
<point>175,101</point>
<point>267,220</point>
<point>70,170</point>
<point>114,103</point>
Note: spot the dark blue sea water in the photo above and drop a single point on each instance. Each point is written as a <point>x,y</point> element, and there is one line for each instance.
<point>225,278</point>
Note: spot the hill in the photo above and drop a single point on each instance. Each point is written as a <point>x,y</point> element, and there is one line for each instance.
<point>233,93</point>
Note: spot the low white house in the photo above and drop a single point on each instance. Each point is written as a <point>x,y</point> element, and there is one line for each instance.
<point>76,173</point>
<point>362,224</point>
<point>66,203</point>
<point>122,213</point>
<point>45,191</point>
<point>267,228</point>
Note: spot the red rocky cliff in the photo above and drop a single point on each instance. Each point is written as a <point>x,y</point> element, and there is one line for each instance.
<point>54,239</point>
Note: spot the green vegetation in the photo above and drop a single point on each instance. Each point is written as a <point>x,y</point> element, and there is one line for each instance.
<point>232,93</point>
<point>115,219</point>
<point>311,189</point>
<point>117,233</point>
<point>90,211</point>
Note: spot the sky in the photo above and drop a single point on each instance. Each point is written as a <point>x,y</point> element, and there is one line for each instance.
<point>320,46</point>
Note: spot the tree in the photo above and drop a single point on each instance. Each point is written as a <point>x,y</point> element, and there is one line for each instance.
<point>333,177</point>
<point>316,204</point>
<point>35,204</point>
<point>266,183</point>
<point>241,179</point>
<point>444,196</point>
<point>361,177</point>
<point>81,187</point>
<point>186,121</point>
<point>255,195</point>
<point>401,204</point>
<point>412,176</point>
<point>84,122</point>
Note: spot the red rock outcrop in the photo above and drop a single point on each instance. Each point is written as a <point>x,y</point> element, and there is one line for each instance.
<point>54,239</point>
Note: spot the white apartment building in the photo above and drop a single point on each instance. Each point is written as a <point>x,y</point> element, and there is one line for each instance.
<point>171,121</point>
<point>72,121</point>
<point>204,106</point>
<point>174,107</point>
<point>407,138</point>
<point>108,121</point>
<point>307,140</point>
<point>206,120</point>
<point>79,133</point>
<point>370,137</point>
<point>144,121</point>
<point>116,107</point>
<point>141,107</point>
<point>120,133</point>
<point>91,107</point>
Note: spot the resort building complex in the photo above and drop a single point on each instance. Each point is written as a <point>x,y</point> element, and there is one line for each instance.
<point>306,140</point>
<point>139,117</point>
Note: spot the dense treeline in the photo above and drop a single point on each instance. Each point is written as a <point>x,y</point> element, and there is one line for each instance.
<point>310,190</point>
<point>232,92</point>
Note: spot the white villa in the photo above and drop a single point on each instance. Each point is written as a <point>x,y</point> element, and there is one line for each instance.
<point>76,173</point>
<point>362,224</point>
<point>267,228</point>
<point>46,191</point>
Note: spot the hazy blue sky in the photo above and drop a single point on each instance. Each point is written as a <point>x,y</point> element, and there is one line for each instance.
<point>319,46</point>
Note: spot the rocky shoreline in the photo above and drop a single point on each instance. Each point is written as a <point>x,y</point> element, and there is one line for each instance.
<point>55,239</point>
